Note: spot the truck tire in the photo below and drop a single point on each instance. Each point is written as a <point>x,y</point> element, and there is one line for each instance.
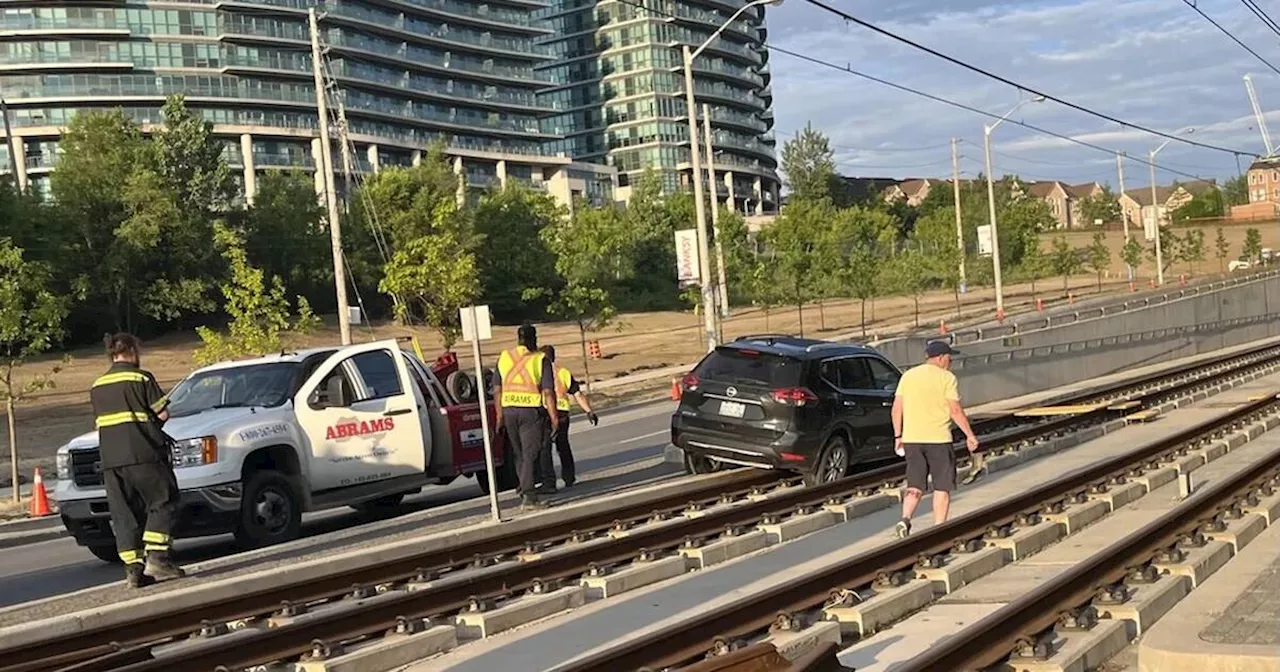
<point>462,386</point>
<point>271,511</point>
<point>380,505</point>
<point>105,553</point>
<point>504,474</point>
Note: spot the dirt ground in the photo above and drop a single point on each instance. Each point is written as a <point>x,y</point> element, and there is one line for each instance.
<point>642,342</point>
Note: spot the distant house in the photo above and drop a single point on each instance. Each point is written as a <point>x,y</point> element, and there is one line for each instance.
<point>912,191</point>
<point>1137,207</point>
<point>1055,194</point>
<point>1080,192</point>
<point>1264,191</point>
<point>864,188</point>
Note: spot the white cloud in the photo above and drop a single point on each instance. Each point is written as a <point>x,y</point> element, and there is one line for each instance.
<point>1150,62</point>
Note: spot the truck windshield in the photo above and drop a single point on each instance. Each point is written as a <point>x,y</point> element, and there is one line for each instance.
<point>263,385</point>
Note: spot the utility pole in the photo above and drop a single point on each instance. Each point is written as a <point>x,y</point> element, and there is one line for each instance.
<point>704,261</point>
<point>13,150</point>
<point>1124,217</point>
<point>348,163</point>
<point>1155,216</point>
<point>723,290</point>
<point>955,182</point>
<point>326,170</point>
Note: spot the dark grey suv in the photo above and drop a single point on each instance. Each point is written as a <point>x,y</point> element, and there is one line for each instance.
<point>779,402</point>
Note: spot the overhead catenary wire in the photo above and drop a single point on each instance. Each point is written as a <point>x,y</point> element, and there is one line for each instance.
<point>1262,15</point>
<point>846,69</point>
<point>1021,87</point>
<point>1220,27</point>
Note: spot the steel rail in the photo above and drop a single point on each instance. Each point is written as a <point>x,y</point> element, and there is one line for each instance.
<point>751,614</point>
<point>122,644</point>
<point>1022,622</point>
<point>764,657</point>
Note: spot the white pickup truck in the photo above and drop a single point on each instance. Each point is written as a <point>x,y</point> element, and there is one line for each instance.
<point>259,442</point>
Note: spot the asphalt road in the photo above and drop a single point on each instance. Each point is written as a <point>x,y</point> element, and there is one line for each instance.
<point>60,566</point>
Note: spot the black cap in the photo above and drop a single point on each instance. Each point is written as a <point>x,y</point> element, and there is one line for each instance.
<point>526,332</point>
<point>938,349</point>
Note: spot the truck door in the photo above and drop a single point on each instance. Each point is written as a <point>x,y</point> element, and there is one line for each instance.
<point>361,418</point>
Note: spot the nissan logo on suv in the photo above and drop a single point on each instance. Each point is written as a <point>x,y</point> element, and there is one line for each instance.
<point>731,391</point>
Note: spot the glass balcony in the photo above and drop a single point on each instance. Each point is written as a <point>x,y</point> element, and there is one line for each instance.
<point>720,68</point>
<point>231,25</point>
<point>424,56</point>
<point>281,159</point>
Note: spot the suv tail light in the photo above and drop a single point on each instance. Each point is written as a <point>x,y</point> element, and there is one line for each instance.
<point>794,396</point>
<point>690,382</point>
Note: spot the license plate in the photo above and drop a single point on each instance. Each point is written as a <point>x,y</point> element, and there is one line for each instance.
<point>732,409</point>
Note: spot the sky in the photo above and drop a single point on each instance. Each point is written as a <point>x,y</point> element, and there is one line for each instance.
<point>1152,62</point>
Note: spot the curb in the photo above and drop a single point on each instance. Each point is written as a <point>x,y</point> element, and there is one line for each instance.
<point>13,539</point>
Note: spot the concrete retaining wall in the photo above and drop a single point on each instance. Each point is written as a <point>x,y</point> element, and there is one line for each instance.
<point>1012,373</point>
<point>1215,303</point>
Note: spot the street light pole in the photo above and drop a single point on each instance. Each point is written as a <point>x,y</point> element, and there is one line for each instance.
<point>722,288</point>
<point>991,202</point>
<point>1155,211</point>
<point>695,152</point>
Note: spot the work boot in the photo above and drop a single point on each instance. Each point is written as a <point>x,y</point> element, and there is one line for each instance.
<point>547,488</point>
<point>532,503</point>
<point>161,567</point>
<point>135,577</point>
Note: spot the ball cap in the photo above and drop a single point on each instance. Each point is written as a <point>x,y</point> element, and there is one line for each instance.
<point>938,349</point>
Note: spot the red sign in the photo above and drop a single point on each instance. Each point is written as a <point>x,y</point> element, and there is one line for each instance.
<point>347,430</point>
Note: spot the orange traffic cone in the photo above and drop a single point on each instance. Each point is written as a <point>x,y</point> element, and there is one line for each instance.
<point>1000,316</point>
<point>1040,305</point>
<point>675,389</point>
<point>39,498</point>
<point>942,327</point>
<point>1071,299</point>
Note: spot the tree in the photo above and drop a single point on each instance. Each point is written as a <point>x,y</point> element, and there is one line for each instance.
<point>911,271</point>
<point>1171,248</point>
<point>1035,264</point>
<point>257,305</point>
<point>809,165</point>
<point>1131,253</point>
<point>30,323</point>
<point>285,235</point>
<point>935,234</point>
<point>1252,244</point>
<point>798,239</point>
<point>654,218</point>
<point>593,254</point>
<point>434,276</point>
<point>1193,249</point>
<point>1206,204</point>
<point>1221,249</point>
<point>1100,207</point>
<point>864,236</point>
<point>1098,256</point>
<point>1235,191</point>
<point>513,257</point>
<point>1065,260</point>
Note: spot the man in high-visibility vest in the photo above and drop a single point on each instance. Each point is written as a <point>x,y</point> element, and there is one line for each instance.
<point>526,408</point>
<point>566,387</point>
<point>137,471</point>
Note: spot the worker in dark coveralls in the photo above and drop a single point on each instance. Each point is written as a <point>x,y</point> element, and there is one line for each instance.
<point>129,411</point>
<point>527,408</point>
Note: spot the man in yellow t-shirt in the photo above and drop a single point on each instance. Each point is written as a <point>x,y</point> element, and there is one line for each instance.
<point>927,401</point>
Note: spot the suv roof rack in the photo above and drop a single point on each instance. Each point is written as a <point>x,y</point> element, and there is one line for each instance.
<point>830,344</point>
<point>763,337</point>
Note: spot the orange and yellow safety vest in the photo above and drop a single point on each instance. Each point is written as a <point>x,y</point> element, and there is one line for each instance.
<point>521,373</point>
<point>563,380</point>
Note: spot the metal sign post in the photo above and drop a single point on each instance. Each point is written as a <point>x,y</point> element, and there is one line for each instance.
<point>475,328</point>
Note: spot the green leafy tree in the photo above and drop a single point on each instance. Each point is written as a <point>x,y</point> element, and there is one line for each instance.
<point>593,253</point>
<point>809,165</point>
<point>1207,204</point>
<point>911,272</point>
<point>31,318</point>
<point>865,237</point>
<point>1098,256</point>
<point>285,235</point>
<point>257,305</point>
<point>654,218</point>
<point>1065,260</point>
<point>1100,207</point>
<point>935,234</point>
<point>1035,266</point>
<point>513,257</point>
<point>1221,249</point>
<point>434,276</point>
<point>1235,191</point>
<point>1252,244</point>
<point>1171,248</point>
<point>1193,248</point>
<point>797,238</point>
<point>1131,253</point>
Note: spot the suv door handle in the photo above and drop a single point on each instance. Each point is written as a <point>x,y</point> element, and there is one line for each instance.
<point>400,411</point>
<point>850,403</point>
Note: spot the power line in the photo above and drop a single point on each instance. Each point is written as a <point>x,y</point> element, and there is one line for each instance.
<point>969,108</point>
<point>1192,5</point>
<point>987,73</point>
<point>1262,15</point>
<point>904,150</point>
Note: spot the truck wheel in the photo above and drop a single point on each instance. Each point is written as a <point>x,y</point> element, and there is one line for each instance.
<point>700,464</point>
<point>462,386</point>
<point>380,505</point>
<point>105,553</point>
<point>504,474</point>
<point>271,511</point>
<point>833,463</point>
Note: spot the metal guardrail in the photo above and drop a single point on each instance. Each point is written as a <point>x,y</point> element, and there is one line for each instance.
<point>976,334</point>
<point>1022,354</point>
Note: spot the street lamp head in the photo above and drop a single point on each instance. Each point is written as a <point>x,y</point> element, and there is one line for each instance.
<point>771,3</point>
<point>1038,99</point>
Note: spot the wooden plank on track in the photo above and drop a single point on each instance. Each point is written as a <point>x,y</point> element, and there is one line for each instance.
<point>1124,405</point>
<point>1143,416</point>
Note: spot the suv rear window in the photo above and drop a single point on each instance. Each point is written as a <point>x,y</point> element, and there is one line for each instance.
<point>730,365</point>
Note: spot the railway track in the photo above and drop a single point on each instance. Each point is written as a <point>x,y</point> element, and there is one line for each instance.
<point>1023,627</point>
<point>354,606</point>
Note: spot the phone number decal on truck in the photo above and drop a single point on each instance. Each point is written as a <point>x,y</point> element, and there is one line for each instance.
<point>263,432</point>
